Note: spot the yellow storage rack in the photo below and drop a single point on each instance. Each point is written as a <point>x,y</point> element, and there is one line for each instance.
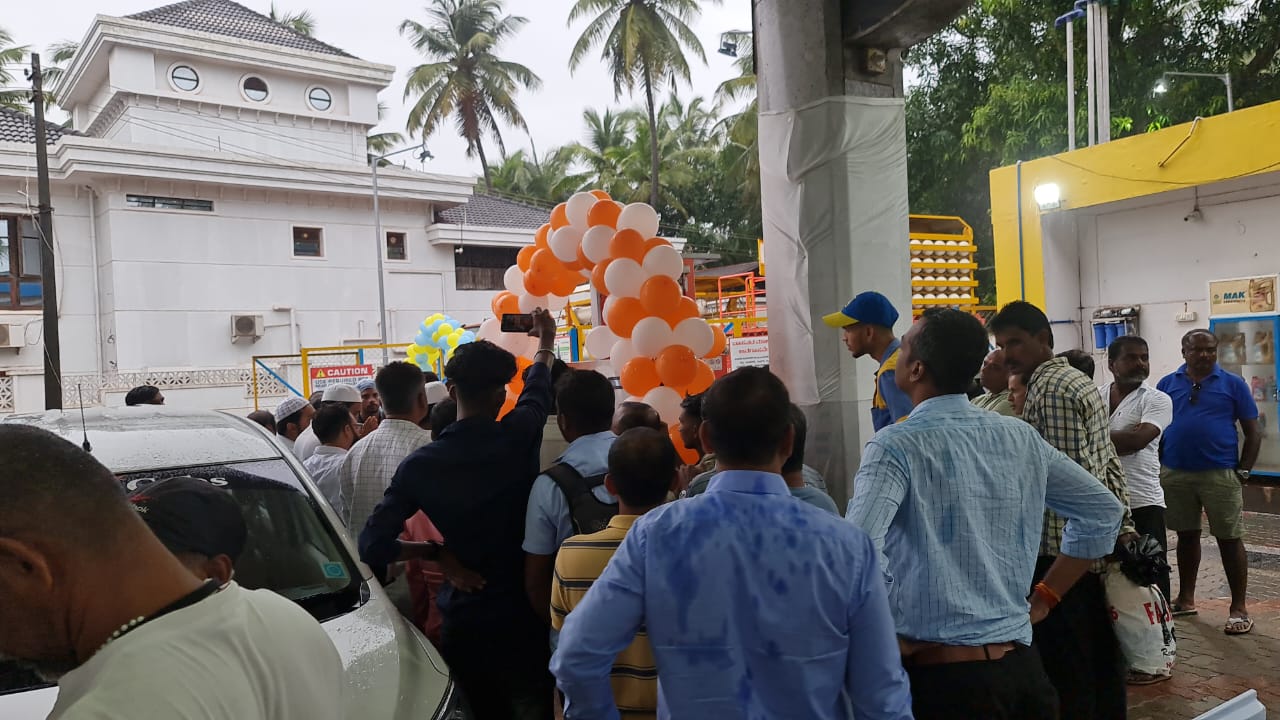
<point>943,262</point>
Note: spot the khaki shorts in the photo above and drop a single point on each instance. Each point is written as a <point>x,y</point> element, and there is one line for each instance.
<point>1217,492</point>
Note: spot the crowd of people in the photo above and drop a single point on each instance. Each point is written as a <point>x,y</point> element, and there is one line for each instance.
<point>563,558</point>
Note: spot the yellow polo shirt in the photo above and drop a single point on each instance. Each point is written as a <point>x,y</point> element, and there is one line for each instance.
<point>582,558</point>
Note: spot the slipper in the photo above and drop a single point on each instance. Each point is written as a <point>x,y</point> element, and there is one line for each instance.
<point>1179,611</point>
<point>1238,626</point>
<point>1141,678</point>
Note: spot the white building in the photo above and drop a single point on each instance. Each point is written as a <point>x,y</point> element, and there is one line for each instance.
<point>218,172</point>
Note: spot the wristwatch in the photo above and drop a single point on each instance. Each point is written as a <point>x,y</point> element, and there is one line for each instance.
<point>1242,474</point>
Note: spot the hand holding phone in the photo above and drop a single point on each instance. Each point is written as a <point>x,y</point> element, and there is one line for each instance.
<point>517,322</point>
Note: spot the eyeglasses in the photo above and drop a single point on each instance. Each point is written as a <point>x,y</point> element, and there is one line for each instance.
<point>1195,393</point>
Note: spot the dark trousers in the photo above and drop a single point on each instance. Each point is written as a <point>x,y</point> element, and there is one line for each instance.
<point>1080,652</point>
<point>501,668</point>
<point>1014,687</point>
<point>1149,520</point>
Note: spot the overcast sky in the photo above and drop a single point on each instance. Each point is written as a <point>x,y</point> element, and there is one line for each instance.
<point>368,29</point>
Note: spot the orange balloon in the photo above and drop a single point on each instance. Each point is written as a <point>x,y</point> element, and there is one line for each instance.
<point>654,242</point>
<point>639,376</point>
<point>604,212</point>
<point>718,344</point>
<point>677,366</point>
<point>544,263</point>
<point>566,283</point>
<point>559,216</point>
<point>540,238</point>
<point>522,363</point>
<point>597,274</point>
<point>627,243</point>
<point>688,309</point>
<point>624,313</point>
<point>505,304</point>
<point>702,379</point>
<point>536,284</point>
<point>601,195</point>
<point>508,405</point>
<point>660,296</point>
<point>687,456</point>
<point>584,262</point>
<point>524,256</point>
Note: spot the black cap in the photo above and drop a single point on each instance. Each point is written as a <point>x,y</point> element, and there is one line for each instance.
<point>190,515</point>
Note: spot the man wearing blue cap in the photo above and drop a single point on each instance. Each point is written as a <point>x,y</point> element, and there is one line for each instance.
<point>868,322</point>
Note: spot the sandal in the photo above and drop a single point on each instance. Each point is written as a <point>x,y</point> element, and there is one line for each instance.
<point>1179,611</point>
<point>1238,625</point>
<point>1141,678</point>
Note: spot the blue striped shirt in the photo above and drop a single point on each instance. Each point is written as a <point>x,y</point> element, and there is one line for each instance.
<point>954,497</point>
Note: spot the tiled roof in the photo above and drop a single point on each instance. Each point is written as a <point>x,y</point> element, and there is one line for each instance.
<point>490,211</point>
<point>223,17</point>
<point>20,127</point>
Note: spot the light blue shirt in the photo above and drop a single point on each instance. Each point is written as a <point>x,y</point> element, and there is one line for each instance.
<point>954,496</point>
<point>547,522</point>
<point>815,497</point>
<point>757,606</point>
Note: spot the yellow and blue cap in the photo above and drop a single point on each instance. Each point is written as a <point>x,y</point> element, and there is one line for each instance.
<point>869,307</point>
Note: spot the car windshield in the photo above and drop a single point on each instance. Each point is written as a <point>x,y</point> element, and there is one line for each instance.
<point>291,549</point>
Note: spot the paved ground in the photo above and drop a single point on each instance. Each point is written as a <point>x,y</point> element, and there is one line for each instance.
<point>1213,667</point>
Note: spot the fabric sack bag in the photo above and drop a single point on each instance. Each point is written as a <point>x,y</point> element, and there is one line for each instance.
<point>1143,623</point>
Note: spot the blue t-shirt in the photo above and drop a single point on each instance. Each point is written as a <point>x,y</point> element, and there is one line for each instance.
<point>1203,434</point>
<point>890,404</point>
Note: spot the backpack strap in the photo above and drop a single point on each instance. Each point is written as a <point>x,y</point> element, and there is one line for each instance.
<point>586,512</point>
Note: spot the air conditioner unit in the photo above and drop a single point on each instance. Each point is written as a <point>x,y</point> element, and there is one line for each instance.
<point>13,336</point>
<point>246,327</point>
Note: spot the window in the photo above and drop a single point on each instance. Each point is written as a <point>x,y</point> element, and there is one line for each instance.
<point>481,268</point>
<point>255,88</point>
<point>184,77</point>
<point>320,99</point>
<point>308,242</point>
<point>396,249</point>
<point>168,203</point>
<point>19,263</point>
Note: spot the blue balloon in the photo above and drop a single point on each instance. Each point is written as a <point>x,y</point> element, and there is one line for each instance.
<point>467,337</point>
<point>434,326</point>
<point>423,338</point>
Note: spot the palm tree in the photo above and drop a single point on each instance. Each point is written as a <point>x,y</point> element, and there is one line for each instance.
<point>465,79</point>
<point>609,137</point>
<point>644,43</point>
<point>10,54</point>
<point>303,23</point>
<point>60,54</point>
<point>380,144</point>
<point>546,180</point>
<point>742,128</point>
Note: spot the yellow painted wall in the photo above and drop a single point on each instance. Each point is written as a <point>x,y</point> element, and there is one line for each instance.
<point>1223,147</point>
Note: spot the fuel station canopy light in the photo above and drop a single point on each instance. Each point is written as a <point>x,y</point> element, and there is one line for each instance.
<point>1048,196</point>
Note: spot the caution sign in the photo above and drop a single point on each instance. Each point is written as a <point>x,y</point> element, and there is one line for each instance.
<point>323,377</point>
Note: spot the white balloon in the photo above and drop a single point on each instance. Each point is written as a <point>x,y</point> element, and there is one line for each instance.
<point>695,334</point>
<point>605,308</point>
<point>600,341</point>
<point>640,217</point>
<point>664,260</point>
<point>529,303</point>
<point>564,243</point>
<point>555,303</point>
<point>666,401</point>
<point>650,336</point>
<point>489,330</point>
<point>577,207</point>
<point>595,243</point>
<point>513,280</point>
<point>516,343</point>
<point>622,353</point>
<point>624,277</point>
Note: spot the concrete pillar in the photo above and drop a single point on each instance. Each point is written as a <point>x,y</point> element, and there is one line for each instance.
<point>820,91</point>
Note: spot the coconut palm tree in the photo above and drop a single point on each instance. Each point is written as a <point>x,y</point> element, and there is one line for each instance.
<point>546,180</point>
<point>10,56</point>
<point>742,128</point>
<point>465,79</point>
<point>643,42</point>
<point>380,144</point>
<point>59,55</point>
<point>609,139</point>
<point>303,23</point>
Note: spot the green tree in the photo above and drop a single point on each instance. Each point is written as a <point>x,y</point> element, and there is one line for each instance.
<point>544,181</point>
<point>303,23</point>
<point>11,56</point>
<point>643,43</point>
<point>379,144</point>
<point>610,137</point>
<point>466,80</point>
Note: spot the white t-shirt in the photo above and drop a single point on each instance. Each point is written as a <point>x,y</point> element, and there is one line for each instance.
<point>306,444</point>
<point>1146,405</point>
<point>243,654</point>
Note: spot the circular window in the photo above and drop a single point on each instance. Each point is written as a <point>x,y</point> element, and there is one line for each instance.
<point>255,88</point>
<point>320,99</point>
<point>184,77</point>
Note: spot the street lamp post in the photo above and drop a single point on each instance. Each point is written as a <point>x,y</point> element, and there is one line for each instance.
<point>1163,86</point>
<point>374,161</point>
